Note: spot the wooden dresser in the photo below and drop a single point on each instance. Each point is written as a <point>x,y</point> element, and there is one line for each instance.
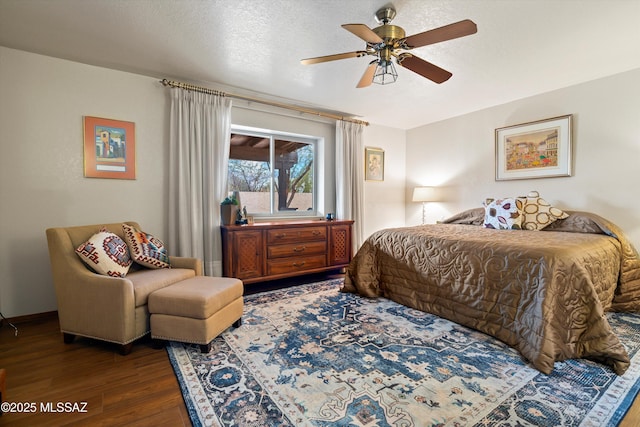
<point>275,250</point>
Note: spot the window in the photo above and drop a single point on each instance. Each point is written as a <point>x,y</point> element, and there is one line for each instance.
<point>273,172</point>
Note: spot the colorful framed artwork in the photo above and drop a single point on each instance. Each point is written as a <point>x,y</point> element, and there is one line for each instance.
<point>541,149</point>
<point>109,148</point>
<point>373,164</point>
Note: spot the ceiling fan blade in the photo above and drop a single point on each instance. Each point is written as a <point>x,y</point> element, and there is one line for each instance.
<point>448,32</point>
<point>335,57</point>
<point>364,32</point>
<point>367,77</point>
<point>424,68</point>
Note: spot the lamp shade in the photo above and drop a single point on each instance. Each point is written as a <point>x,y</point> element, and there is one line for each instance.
<point>385,73</point>
<point>424,194</point>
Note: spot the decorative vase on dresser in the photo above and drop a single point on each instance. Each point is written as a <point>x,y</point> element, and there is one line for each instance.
<point>228,214</point>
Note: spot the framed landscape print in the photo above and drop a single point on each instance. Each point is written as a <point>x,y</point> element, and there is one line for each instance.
<point>373,164</point>
<point>109,148</point>
<point>540,149</point>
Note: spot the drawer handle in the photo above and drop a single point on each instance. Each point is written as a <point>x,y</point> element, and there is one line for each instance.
<point>281,235</point>
<point>300,249</point>
<point>316,233</point>
<point>298,264</point>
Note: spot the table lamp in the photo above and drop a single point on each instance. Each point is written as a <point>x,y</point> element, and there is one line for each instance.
<point>424,194</point>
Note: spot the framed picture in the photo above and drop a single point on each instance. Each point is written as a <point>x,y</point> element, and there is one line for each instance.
<point>540,149</point>
<point>109,148</point>
<point>373,164</point>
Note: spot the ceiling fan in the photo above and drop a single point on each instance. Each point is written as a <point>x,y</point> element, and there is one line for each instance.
<point>389,41</point>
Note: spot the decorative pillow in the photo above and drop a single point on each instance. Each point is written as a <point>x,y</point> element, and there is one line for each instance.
<point>473,216</point>
<point>503,214</point>
<point>578,222</point>
<point>538,213</point>
<point>106,254</point>
<point>145,249</point>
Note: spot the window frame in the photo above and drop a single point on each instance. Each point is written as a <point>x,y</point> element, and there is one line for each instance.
<point>314,141</point>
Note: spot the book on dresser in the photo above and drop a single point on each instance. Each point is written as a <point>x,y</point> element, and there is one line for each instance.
<point>274,250</point>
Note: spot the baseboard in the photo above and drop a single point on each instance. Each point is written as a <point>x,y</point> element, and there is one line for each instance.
<point>30,317</point>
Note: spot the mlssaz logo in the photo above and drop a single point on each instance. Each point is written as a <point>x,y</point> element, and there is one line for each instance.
<point>63,407</point>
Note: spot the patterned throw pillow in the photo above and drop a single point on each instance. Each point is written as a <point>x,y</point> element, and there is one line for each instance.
<point>538,213</point>
<point>145,249</point>
<point>503,214</point>
<point>106,254</point>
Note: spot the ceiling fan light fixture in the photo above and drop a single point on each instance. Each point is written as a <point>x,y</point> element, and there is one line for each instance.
<point>385,73</point>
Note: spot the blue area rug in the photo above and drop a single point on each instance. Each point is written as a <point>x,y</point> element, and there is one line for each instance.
<point>313,356</point>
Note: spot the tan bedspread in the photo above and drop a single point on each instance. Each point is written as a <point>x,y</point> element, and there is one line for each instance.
<point>544,293</point>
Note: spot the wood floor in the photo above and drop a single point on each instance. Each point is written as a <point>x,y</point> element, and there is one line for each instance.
<point>135,390</point>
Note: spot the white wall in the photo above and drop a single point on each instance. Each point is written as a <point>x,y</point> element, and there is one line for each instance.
<point>42,102</point>
<point>385,200</point>
<point>458,154</point>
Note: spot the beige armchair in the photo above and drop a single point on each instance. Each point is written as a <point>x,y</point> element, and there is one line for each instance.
<point>112,309</point>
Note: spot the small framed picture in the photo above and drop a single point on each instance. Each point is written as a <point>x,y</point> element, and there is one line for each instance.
<point>540,149</point>
<point>109,148</point>
<point>373,164</point>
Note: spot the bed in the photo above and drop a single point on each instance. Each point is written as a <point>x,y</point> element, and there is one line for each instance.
<point>542,292</point>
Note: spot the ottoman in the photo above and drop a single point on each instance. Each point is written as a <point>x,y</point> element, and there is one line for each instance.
<point>196,310</point>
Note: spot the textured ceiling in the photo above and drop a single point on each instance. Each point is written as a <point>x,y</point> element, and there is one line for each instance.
<point>523,47</point>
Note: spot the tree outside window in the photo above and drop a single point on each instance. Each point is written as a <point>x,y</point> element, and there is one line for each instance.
<point>273,173</point>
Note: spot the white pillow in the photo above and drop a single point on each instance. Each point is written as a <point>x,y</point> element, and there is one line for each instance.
<point>503,214</point>
<point>106,254</point>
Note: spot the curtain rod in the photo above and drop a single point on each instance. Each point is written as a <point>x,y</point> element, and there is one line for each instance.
<point>201,89</point>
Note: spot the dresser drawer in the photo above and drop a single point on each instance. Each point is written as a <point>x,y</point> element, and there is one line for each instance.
<point>284,266</point>
<point>296,235</point>
<point>298,249</point>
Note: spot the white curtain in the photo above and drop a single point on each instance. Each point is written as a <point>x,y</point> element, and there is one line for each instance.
<point>200,129</point>
<point>350,177</point>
